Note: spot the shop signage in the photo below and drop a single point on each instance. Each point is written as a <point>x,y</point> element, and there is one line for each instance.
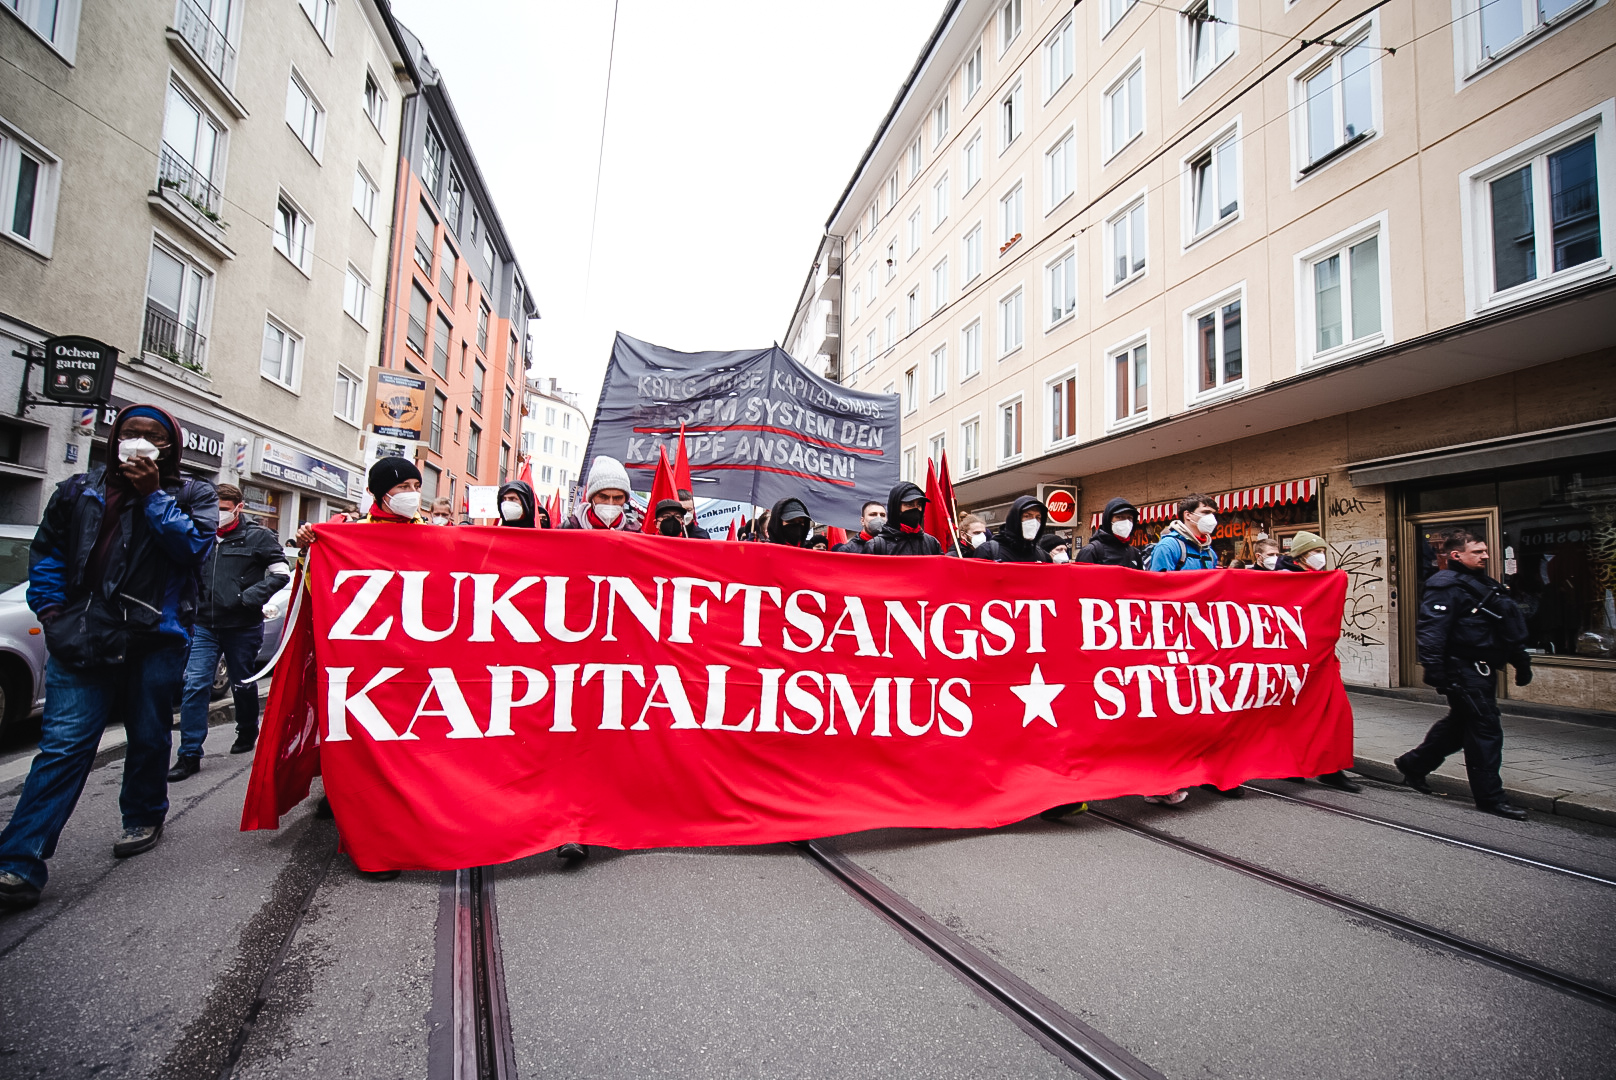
<point>398,403</point>
<point>203,445</point>
<point>79,370</point>
<point>276,461</point>
<point>1061,503</point>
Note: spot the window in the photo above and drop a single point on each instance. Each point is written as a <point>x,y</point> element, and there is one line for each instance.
<point>474,443</point>
<point>426,233</point>
<point>869,351</point>
<point>452,201</point>
<point>909,463</point>
<point>937,447</point>
<point>191,158</point>
<point>549,417</point>
<point>440,347</point>
<point>440,405</point>
<point>1009,23</point>
<point>1063,408</point>
<point>27,192</point>
<point>319,13</point>
<point>294,234</point>
<point>446,270</point>
<point>432,160</point>
<point>1112,11</point>
<point>420,311</point>
<point>504,461</point>
<point>892,193</point>
<point>1060,169</point>
<point>1214,185</point>
<point>1343,298</point>
<point>1125,236</point>
<point>910,391</point>
<point>914,160</point>
<point>914,232</point>
<point>485,248</point>
<point>176,308</point>
<point>1338,102</point>
<point>939,201</point>
<point>350,393</point>
<point>1130,382</point>
<point>855,303</point>
<point>939,122</point>
<point>460,414</point>
<point>939,371</point>
<point>375,101</point>
<point>1060,58</point>
<point>549,444</point>
<point>57,21</point>
<point>1217,346</point>
<point>970,446</point>
<point>478,382</point>
<point>365,194</point>
<point>1010,430</point>
<point>912,310</point>
<point>875,216</point>
<point>1010,116</point>
<point>547,474</point>
<point>1011,310</point>
<point>1209,37</point>
<point>870,281</point>
<point>971,350</point>
<point>1499,26</point>
<point>1061,277</point>
<point>482,326</point>
<point>1125,109</point>
<point>1010,218</point>
<point>892,259</point>
<point>280,355</point>
<point>972,255</point>
<point>355,295</point>
<point>303,114</point>
<point>973,161</point>
<point>972,73</point>
<point>892,329</point>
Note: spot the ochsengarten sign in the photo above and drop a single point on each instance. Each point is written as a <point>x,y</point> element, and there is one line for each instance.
<point>79,370</point>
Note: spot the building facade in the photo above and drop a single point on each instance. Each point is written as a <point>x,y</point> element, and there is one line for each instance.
<point>206,188</point>
<point>457,303</point>
<point>554,434</point>
<point>1345,267</point>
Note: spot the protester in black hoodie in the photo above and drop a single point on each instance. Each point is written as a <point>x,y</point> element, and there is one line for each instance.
<point>905,530</point>
<point>789,523</point>
<point>1109,545</point>
<point>1012,543</point>
<point>516,495</point>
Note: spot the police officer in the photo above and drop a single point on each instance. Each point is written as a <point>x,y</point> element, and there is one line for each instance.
<point>1467,630</point>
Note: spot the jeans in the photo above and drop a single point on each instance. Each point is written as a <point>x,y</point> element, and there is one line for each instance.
<point>78,705</point>
<point>1473,725</point>
<point>240,647</point>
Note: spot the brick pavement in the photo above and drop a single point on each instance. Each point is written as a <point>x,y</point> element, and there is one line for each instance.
<point>1549,765</point>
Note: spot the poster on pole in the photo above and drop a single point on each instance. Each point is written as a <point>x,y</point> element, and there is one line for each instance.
<point>759,427</point>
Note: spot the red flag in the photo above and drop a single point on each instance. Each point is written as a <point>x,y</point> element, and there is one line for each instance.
<point>556,509</point>
<point>835,534</point>
<point>733,522</point>
<point>289,754</point>
<point>939,522</point>
<point>663,486</point>
<point>945,483</point>
<point>681,466</point>
<point>526,474</point>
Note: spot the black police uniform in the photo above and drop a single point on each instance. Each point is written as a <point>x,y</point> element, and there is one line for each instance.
<point>1467,629</point>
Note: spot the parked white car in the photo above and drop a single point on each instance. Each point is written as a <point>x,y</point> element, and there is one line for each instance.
<point>22,640</point>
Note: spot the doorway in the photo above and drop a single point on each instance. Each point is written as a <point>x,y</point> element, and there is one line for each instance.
<point>1419,562</point>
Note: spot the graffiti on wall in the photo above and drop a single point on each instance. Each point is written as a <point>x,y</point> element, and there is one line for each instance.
<point>1365,621</point>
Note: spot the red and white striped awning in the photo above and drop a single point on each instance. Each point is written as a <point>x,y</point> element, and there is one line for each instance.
<point>1253,498</point>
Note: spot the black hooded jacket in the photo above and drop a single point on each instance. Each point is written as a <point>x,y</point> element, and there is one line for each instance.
<point>1105,548</point>
<point>519,488</point>
<point>1008,545</point>
<point>893,538</point>
<point>777,524</point>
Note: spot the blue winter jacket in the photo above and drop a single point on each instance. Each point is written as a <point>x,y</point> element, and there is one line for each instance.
<point>1174,552</point>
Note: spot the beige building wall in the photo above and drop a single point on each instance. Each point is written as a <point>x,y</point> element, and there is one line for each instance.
<point>554,435</point>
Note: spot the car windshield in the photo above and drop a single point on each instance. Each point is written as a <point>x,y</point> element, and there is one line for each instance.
<point>13,561</point>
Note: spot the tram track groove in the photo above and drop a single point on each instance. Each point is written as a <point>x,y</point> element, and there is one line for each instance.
<point>1085,1050</point>
<point>1441,837</point>
<point>483,1047</point>
<point>1515,965</point>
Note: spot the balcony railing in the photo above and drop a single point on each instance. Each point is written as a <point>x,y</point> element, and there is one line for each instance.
<point>207,39</point>
<point>174,172</point>
<point>173,340</point>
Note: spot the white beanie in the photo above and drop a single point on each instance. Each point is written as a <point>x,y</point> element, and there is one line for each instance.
<point>605,474</point>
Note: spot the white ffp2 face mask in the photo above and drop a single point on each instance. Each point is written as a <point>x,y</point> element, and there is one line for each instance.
<point>1029,528</point>
<point>1315,560</point>
<point>405,504</point>
<point>1060,556</point>
<point>133,448</point>
<point>1270,561</point>
<point>1206,523</point>
<point>1122,529</point>
<point>510,511</point>
<point>607,512</point>
<point>978,539</point>
<point>227,518</point>
<point>439,519</point>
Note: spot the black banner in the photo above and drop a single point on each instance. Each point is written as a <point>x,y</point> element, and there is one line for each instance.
<point>759,427</point>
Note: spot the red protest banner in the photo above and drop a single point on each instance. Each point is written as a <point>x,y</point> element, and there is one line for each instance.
<point>482,696</point>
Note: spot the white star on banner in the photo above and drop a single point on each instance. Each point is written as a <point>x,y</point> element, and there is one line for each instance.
<point>1038,697</point>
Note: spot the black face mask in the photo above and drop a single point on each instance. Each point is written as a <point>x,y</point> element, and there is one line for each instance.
<point>794,532</point>
<point>670,526</point>
<point>912,518</point>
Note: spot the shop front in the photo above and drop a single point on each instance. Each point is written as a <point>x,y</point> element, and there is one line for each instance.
<point>1245,516</point>
<point>295,487</point>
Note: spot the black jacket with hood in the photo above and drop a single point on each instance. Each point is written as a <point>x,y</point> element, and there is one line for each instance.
<point>524,494</point>
<point>1105,548</point>
<point>777,525</point>
<point>1008,545</point>
<point>894,539</point>
<point>246,567</point>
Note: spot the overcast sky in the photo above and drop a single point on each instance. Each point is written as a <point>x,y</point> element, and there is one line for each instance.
<point>734,126</point>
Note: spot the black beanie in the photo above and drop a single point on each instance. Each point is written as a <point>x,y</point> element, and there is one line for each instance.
<point>388,473</point>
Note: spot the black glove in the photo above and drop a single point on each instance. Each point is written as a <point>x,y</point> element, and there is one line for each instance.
<point>1523,669</point>
<point>1436,678</point>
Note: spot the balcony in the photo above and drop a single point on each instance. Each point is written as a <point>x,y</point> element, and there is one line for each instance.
<point>209,41</point>
<point>188,198</point>
<point>167,337</point>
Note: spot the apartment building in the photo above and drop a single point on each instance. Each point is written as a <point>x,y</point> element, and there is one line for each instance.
<point>203,185</point>
<point>1345,266</point>
<point>554,434</point>
<point>458,305</point>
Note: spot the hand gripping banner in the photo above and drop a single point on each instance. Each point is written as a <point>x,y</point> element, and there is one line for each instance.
<point>482,694</point>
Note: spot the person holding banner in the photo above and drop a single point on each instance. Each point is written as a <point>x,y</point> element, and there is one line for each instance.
<point>1057,546</point>
<point>789,523</point>
<point>872,516</point>
<point>517,506</point>
<point>973,535</point>
<point>1109,545</point>
<point>442,511</point>
<point>905,530</point>
<point>1187,542</point>
<point>670,518</point>
<point>606,499</point>
<point>1017,539</point>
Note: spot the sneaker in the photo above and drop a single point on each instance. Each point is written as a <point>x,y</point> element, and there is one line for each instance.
<point>137,838</point>
<point>1415,780</point>
<point>380,875</point>
<point>1169,800</point>
<point>322,809</point>
<point>1339,781</point>
<point>1236,792</point>
<point>185,765</point>
<point>244,744</point>
<point>1057,813</point>
<point>572,853</point>
<point>16,893</point>
<point>1502,809</point>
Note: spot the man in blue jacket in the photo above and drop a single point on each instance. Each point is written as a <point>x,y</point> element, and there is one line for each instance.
<point>113,578</point>
<point>1186,544</point>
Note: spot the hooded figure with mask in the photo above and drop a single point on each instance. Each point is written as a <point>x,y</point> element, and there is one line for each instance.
<point>517,505</point>
<point>905,530</point>
<point>113,575</point>
<point>1017,539</point>
<point>606,504</point>
<point>789,523</point>
<point>1109,545</point>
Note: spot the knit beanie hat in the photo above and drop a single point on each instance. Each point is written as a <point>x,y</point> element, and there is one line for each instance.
<point>1304,542</point>
<point>606,474</point>
<point>388,473</point>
